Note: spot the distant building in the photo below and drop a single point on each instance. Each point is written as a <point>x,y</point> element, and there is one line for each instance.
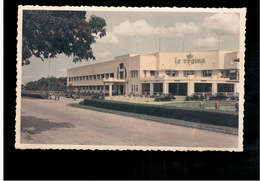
<point>177,73</point>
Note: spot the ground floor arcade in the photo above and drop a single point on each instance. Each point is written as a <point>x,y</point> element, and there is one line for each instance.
<point>175,88</point>
<point>184,89</point>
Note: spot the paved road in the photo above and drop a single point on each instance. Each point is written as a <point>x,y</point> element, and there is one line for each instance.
<point>54,122</point>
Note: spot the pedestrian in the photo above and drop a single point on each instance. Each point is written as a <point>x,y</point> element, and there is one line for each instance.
<point>55,97</point>
<point>217,104</point>
<point>58,96</point>
<point>202,106</point>
<point>50,96</point>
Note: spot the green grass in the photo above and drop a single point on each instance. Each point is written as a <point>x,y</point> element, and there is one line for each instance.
<point>223,129</point>
<point>225,105</point>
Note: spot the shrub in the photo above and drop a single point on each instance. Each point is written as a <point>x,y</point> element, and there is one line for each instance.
<point>200,116</point>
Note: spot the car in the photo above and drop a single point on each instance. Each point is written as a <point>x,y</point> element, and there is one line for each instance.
<point>100,96</point>
<point>218,96</point>
<point>164,97</point>
<point>194,96</point>
<point>234,97</point>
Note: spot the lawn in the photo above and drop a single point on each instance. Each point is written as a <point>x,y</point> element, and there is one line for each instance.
<point>225,105</point>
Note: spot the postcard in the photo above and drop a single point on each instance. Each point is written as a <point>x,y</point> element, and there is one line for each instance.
<point>117,78</point>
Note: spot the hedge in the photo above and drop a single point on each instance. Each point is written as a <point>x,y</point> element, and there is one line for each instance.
<point>40,96</point>
<point>199,116</point>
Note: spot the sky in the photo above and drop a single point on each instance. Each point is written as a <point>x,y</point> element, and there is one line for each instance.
<point>139,33</point>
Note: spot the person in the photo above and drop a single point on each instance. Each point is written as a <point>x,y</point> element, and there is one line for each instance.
<point>50,96</point>
<point>217,104</point>
<point>55,97</point>
<point>58,96</point>
<point>202,106</point>
<point>74,96</point>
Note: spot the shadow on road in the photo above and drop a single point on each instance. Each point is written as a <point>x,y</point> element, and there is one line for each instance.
<point>35,125</point>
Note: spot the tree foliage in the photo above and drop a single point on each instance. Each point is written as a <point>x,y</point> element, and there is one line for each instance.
<point>49,33</point>
<point>56,84</point>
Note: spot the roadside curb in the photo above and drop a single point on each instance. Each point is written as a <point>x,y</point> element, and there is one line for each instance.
<point>153,118</point>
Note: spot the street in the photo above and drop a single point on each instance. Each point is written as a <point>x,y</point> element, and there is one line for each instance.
<point>54,122</point>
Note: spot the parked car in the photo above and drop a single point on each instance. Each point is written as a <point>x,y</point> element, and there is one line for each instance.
<point>219,96</point>
<point>99,96</point>
<point>164,97</point>
<point>234,97</point>
<point>194,96</point>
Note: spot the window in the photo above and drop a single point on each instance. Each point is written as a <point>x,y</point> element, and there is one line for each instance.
<point>77,78</point>
<point>112,75</point>
<point>233,74</point>
<point>102,76</point>
<point>132,86</point>
<point>74,78</point>
<point>107,75</point>
<point>121,75</point>
<point>107,87</point>
<point>86,87</point>
<point>98,76</point>
<point>90,87</point>
<point>121,65</point>
<point>186,73</point>
<point>136,88</point>
<point>207,73</point>
<point>83,77</point>
<point>134,73</point>
<point>98,87</point>
<point>90,78</point>
<point>80,77</point>
<point>94,87</point>
<point>144,73</point>
<point>86,77</point>
<point>152,73</point>
<point>94,76</point>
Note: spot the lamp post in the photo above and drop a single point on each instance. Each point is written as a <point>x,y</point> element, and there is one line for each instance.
<point>49,79</point>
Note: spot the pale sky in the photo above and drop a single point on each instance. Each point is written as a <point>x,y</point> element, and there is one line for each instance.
<point>139,33</point>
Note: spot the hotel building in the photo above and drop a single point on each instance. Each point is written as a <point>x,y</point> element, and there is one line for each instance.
<point>180,73</point>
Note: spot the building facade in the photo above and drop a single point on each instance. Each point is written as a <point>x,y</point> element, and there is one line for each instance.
<point>177,73</point>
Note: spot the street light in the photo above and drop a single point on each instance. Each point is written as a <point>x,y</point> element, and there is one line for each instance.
<point>49,78</point>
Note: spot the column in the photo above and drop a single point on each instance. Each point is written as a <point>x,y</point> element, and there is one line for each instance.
<point>165,88</point>
<point>126,88</point>
<point>151,88</point>
<point>191,87</point>
<point>236,88</point>
<point>214,88</point>
<point>110,89</point>
<point>104,88</point>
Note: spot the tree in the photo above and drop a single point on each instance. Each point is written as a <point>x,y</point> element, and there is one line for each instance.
<point>57,84</point>
<point>49,33</point>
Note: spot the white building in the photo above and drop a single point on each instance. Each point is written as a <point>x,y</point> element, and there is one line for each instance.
<point>179,73</point>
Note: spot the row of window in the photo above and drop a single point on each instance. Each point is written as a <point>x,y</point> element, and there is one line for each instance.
<point>134,73</point>
<point>98,87</point>
<point>92,77</point>
<point>205,73</point>
<point>134,88</point>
